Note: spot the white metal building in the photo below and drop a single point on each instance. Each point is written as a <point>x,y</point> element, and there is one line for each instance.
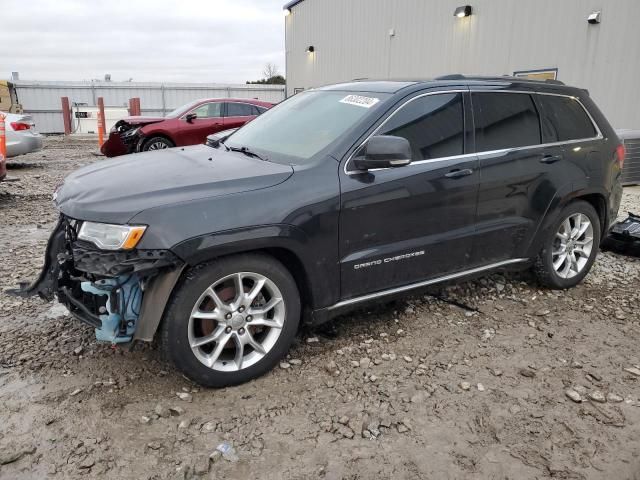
<point>329,41</point>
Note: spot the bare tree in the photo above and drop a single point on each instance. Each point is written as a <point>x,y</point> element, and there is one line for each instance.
<point>270,70</point>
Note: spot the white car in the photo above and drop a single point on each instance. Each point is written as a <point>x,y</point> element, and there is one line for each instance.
<point>21,133</point>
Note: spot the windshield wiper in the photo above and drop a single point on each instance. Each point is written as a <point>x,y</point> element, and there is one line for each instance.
<point>247,151</point>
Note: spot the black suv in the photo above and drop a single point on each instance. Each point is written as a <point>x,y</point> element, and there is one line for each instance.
<point>338,196</point>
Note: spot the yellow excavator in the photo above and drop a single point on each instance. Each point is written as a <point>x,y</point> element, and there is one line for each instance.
<point>8,98</point>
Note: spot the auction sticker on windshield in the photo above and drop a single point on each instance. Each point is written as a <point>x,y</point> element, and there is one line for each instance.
<point>360,101</point>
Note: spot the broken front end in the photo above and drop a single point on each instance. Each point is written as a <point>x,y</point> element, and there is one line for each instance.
<point>121,293</point>
<point>124,138</point>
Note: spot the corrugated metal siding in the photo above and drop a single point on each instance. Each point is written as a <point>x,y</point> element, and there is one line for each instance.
<point>351,39</point>
<point>42,99</point>
<point>631,170</point>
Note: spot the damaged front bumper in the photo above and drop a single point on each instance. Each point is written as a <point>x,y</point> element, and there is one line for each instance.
<point>124,138</point>
<point>121,294</point>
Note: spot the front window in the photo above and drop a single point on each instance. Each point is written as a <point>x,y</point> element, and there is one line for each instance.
<point>208,110</point>
<point>433,125</point>
<point>182,109</point>
<point>306,123</point>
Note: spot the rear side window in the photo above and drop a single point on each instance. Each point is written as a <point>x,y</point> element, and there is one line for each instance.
<point>433,124</point>
<point>505,120</point>
<point>239,110</point>
<point>563,119</point>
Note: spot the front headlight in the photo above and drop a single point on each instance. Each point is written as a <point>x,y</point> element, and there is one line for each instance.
<point>111,237</point>
<point>130,133</point>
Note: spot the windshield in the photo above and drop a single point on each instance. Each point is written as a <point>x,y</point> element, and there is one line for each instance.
<point>182,109</point>
<point>305,124</point>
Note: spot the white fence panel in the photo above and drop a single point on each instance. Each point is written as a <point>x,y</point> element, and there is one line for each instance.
<point>42,99</point>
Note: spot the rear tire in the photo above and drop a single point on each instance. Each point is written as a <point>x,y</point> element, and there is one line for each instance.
<point>218,338</point>
<point>570,247</point>
<point>157,143</point>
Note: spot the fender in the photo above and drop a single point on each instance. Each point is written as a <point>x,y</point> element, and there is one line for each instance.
<point>318,278</point>
<point>315,284</point>
<point>151,130</point>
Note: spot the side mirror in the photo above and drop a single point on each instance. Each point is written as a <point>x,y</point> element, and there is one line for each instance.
<point>383,151</point>
<point>191,117</point>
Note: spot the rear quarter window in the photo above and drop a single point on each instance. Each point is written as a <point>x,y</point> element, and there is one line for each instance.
<point>505,120</point>
<point>564,118</point>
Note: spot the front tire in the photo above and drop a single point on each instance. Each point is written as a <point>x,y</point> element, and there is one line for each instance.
<point>157,143</point>
<point>231,320</point>
<point>570,248</point>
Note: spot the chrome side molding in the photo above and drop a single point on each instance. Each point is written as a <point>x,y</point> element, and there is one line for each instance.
<point>404,288</point>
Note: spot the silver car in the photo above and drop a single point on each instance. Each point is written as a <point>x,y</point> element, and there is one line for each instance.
<point>22,136</point>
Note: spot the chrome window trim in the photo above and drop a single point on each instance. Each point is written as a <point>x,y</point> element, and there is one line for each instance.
<point>452,276</point>
<point>486,153</point>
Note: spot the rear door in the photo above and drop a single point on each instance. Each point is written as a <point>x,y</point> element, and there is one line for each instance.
<point>521,175</point>
<point>403,225</point>
<point>237,114</point>
<point>209,120</point>
<point>565,120</point>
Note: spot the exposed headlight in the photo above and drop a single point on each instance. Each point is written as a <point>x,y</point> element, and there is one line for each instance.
<point>130,133</point>
<point>111,237</point>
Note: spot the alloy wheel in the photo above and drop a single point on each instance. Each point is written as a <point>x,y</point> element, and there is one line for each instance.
<point>572,245</point>
<point>158,146</point>
<point>236,321</point>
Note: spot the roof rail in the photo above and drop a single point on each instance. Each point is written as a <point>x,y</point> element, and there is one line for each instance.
<point>454,76</point>
<point>457,76</point>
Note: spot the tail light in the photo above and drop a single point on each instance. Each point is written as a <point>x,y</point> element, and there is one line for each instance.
<point>619,156</point>
<point>17,126</point>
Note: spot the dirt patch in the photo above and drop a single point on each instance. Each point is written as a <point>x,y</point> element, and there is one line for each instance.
<point>470,382</point>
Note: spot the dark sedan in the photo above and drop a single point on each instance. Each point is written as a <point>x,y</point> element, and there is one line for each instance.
<point>186,125</point>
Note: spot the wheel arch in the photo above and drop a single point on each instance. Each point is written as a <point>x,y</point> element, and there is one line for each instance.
<point>164,286</point>
<point>596,198</point>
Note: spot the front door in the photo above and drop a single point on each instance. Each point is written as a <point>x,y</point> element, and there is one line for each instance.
<point>403,225</point>
<point>209,120</point>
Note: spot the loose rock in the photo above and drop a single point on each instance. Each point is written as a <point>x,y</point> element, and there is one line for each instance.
<point>184,396</point>
<point>614,398</point>
<point>597,396</point>
<point>573,395</point>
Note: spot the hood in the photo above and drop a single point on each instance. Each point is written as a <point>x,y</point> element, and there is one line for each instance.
<point>115,190</point>
<point>141,120</point>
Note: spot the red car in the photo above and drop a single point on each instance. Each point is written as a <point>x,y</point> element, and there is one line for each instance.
<point>186,125</point>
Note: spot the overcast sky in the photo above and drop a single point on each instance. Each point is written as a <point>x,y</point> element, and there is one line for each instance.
<point>226,41</point>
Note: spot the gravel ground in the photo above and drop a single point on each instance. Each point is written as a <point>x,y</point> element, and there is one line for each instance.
<point>473,381</point>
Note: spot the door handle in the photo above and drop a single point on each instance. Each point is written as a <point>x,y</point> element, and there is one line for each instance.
<point>459,173</point>
<point>551,158</point>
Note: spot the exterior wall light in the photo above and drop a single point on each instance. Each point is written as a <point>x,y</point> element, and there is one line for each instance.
<point>594,17</point>
<point>286,12</point>
<point>463,11</point>
<point>311,49</point>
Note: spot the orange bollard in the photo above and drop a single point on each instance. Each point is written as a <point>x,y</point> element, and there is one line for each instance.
<point>100,128</point>
<point>3,139</point>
